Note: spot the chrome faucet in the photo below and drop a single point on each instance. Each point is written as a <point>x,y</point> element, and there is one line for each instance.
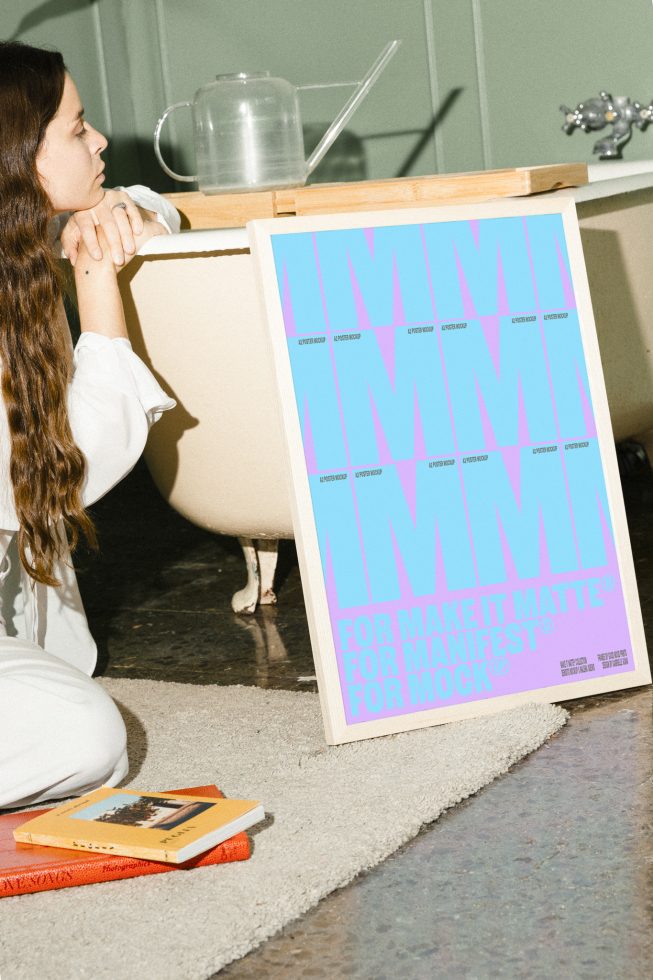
<point>619,112</point>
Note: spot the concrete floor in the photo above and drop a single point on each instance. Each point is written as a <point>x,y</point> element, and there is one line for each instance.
<point>545,874</point>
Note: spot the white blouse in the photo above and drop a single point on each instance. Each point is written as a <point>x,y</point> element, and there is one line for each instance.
<point>113,399</point>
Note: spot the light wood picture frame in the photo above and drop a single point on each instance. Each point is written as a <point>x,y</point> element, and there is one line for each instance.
<point>458,514</point>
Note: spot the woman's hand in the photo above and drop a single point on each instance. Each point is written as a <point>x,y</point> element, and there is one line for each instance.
<point>126,227</point>
<point>86,261</point>
<point>118,217</point>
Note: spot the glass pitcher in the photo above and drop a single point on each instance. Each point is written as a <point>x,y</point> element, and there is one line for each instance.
<point>248,133</point>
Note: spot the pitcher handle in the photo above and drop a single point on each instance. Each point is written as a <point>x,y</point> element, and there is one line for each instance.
<point>157,148</point>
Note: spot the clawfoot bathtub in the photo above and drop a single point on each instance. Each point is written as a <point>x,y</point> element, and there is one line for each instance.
<point>193,316</point>
<point>218,459</point>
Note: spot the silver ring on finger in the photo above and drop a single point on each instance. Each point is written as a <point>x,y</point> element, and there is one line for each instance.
<point>119,205</point>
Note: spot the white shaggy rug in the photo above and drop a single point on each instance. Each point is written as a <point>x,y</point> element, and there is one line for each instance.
<point>332,813</point>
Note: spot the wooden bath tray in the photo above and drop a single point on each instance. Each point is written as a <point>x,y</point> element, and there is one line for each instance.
<point>235,210</point>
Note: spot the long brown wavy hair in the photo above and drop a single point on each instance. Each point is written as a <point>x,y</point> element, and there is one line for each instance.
<point>47,469</point>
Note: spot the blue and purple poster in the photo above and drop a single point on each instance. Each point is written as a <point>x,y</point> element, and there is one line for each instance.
<point>457,483</point>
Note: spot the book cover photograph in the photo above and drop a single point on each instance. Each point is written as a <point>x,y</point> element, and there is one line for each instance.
<point>457,506</point>
<point>26,868</point>
<point>163,827</point>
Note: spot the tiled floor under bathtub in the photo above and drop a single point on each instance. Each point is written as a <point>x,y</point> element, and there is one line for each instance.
<point>547,873</point>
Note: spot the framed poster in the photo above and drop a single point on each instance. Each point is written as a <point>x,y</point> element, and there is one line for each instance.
<point>456,499</point>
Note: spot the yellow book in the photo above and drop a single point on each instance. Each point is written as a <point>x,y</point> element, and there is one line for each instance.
<point>154,826</point>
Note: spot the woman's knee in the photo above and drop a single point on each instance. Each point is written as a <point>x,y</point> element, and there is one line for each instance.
<point>62,733</point>
<point>98,742</point>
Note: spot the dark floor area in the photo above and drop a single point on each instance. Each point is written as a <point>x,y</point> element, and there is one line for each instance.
<point>546,873</point>
<point>158,600</point>
<point>158,594</point>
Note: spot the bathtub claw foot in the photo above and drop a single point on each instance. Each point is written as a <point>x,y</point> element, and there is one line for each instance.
<point>268,553</point>
<point>246,600</point>
<point>261,562</point>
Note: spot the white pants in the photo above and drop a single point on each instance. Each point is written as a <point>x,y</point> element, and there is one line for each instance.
<point>60,733</point>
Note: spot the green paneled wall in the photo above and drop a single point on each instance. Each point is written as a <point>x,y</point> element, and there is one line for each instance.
<point>538,55</point>
<point>476,83</point>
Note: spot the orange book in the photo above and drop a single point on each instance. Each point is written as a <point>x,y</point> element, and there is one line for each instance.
<point>29,868</point>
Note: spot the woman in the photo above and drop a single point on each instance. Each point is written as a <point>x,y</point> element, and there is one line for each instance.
<point>72,424</point>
